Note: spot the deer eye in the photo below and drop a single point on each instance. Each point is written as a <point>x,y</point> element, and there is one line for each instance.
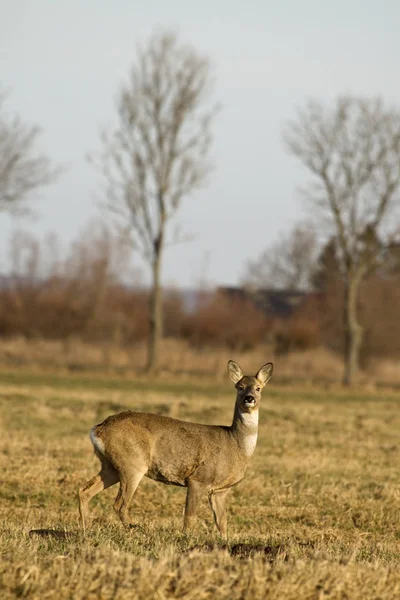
<point>257,389</point>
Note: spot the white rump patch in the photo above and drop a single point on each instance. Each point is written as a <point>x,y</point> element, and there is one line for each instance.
<point>97,442</point>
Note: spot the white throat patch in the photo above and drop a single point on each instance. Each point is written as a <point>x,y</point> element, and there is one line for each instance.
<point>250,420</point>
<point>249,444</point>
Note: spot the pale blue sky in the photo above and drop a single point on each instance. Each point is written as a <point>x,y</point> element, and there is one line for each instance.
<point>65,61</point>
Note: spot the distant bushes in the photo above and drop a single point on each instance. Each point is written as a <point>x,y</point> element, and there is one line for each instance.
<point>296,334</point>
<point>56,309</point>
<point>81,295</point>
<point>85,296</point>
<point>223,321</point>
<point>94,294</point>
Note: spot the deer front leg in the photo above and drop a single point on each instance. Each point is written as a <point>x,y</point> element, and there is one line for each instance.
<point>195,491</point>
<point>218,506</point>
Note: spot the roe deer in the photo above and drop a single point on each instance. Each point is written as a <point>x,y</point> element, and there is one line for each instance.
<point>204,458</point>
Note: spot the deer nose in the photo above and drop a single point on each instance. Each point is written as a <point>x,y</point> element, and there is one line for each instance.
<point>249,398</point>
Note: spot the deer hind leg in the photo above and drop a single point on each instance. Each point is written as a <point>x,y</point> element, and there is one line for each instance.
<point>194,494</point>
<point>218,506</point>
<point>107,477</point>
<point>128,486</point>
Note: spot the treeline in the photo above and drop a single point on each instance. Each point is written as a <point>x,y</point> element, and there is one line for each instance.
<point>95,294</point>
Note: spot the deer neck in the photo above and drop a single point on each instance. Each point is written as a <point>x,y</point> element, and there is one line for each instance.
<point>245,430</point>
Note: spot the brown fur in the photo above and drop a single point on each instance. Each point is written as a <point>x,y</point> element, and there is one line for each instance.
<point>204,458</point>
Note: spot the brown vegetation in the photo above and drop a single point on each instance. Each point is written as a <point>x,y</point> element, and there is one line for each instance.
<point>73,303</point>
<point>226,322</point>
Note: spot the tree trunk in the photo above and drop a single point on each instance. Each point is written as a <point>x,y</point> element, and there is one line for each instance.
<point>353,331</point>
<point>155,316</point>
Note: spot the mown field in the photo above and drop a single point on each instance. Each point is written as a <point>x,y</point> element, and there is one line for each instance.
<point>317,515</point>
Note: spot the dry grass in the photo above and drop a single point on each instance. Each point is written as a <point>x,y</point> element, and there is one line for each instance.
<point>179,359</point>
<point>316,516</point>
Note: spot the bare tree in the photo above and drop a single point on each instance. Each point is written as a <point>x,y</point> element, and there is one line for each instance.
<point>287,264</point>
<point>22,168</point>
<point>352,150</point>
<point>157,155</point>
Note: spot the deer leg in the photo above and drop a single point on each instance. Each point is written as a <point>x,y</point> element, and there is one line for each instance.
<point>129,484</point>
<point>195,491</point>
<point>218,506</point>
<point>108,476</point>
<point>118,501</point>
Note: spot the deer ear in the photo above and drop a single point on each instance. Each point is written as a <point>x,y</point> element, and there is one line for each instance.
<point>235,372</point>
<point>265,373</point>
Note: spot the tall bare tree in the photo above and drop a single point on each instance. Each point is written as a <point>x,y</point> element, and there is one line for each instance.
<point>22,168</point>
<point>352,150</point>
<point>158,153</point>
<point>288,263</point>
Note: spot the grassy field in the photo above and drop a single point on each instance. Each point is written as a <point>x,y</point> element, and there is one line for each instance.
<point>317,515</point>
